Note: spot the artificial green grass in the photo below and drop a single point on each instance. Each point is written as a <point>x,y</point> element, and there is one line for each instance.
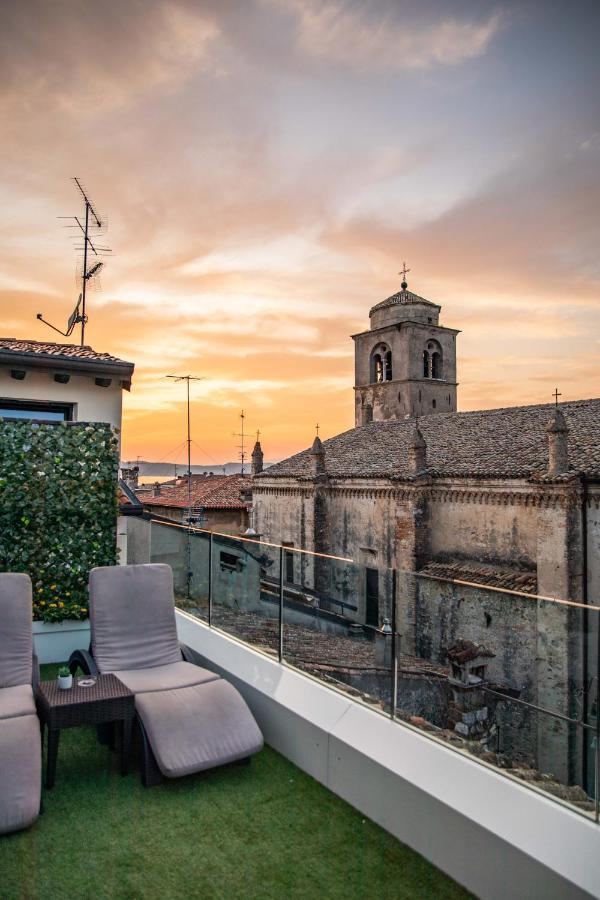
<point>266,830</point>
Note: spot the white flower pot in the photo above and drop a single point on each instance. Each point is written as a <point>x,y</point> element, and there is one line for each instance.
<point>65,682</point>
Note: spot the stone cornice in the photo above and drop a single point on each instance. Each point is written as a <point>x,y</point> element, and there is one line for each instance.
<point>494,494</point>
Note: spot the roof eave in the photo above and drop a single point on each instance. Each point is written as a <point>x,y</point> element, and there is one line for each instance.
<point>122,370</point>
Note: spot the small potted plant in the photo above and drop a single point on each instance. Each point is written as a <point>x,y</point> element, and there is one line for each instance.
<point>65,679</point>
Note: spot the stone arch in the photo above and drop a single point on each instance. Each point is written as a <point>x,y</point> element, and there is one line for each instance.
<point>381,364</point>
<point>433,360</point>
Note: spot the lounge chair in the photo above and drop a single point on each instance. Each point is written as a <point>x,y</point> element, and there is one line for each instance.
<point>190,719</point>
<point>20,740</point>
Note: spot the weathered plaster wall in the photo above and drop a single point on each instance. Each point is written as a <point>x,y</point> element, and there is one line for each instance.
<point>493,533</point>
<point>229,521</point>
<point>505,625</point>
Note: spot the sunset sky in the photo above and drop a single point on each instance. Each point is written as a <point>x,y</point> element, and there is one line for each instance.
<point>266,166</point>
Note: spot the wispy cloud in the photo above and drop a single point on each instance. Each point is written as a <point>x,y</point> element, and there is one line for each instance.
<point>362,37</point>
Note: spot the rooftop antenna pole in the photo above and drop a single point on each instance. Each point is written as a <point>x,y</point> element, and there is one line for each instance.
<point>187,379</point>
<point>91,220</point>
<point>83,274</point>
<point>241,435</point>
<point>86,241</point>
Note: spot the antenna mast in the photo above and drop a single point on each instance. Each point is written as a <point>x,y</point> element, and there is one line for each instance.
<point>91,222</point>
<point>242,436</point>
<point>187,379</point>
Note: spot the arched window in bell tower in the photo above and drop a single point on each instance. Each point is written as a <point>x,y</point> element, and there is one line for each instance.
<point>432,360</point>
<point>377,375</point>
<point>381,364</point>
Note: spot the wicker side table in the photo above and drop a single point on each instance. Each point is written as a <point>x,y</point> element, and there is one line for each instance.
<point>108,700</point>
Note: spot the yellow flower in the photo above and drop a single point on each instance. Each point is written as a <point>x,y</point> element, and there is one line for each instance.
<point>52,605</point>
<point>42,602</point>
<point>52,587</point>
<point>61,604</point>
<point>40,590</point>
<point>83,609</point>
<point>67,593</point>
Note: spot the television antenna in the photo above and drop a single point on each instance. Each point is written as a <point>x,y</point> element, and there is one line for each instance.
<point>242,437</point>
<point>92,224</point>
<point>187,379</point>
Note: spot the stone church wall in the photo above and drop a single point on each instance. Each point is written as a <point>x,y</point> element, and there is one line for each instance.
<point>490,533</point>
<point>507,626</point>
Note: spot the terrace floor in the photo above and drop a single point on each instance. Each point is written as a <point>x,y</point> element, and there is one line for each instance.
<point>262,831</point>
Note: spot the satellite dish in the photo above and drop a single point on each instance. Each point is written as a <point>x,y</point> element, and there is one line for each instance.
<point>74,317</point>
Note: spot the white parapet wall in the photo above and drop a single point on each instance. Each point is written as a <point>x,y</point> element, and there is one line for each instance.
<point>492,834</point>
<point>55,641</point>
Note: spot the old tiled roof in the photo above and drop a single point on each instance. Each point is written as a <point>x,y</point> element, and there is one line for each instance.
<point>402,298</point>
<point>56,351</point>
<point>477,573</point>
<point>211,492</point>
<point>503,443</point>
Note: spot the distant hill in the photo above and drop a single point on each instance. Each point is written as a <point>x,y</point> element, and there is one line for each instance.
<point>169,469</point>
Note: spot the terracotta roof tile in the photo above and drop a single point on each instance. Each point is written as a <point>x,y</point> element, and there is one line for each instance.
<point>211,492</point>
<point>478,573</point>
<point>58,351</point>
<point>503,443</point>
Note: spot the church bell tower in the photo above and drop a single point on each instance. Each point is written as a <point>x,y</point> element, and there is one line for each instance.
<point>405,365</point>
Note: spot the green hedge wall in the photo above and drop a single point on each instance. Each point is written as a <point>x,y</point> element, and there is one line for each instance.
<point>58,510</point>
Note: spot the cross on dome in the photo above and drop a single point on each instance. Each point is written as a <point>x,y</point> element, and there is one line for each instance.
<point>403,271</point>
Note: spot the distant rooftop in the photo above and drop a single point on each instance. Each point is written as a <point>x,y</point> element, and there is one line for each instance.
<point>211,492</point>
<point>505,443</point>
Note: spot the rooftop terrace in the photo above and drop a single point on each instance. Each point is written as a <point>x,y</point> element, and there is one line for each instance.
<point>268,830</point>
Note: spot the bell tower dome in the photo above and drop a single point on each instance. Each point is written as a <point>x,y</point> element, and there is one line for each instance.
<point>405,365</point>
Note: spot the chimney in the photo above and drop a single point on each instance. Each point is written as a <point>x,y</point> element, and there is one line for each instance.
<point>417,453</point>
<point>156,489</point>
<point>558,456</point>
<point>317,457</point>
<point>257,459</point>
<point>130,477</point>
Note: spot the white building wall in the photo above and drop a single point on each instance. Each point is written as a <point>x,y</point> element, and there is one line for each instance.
<point>91,403</point>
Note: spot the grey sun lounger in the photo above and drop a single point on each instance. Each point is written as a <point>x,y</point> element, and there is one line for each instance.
<point>20,740</point>
<point>190,718</point>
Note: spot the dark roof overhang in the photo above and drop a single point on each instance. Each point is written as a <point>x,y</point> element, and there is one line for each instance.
<point>51,362</point>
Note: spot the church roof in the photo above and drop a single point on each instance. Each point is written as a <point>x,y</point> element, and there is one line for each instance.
<point>505,443</point>
<point>403,298</point>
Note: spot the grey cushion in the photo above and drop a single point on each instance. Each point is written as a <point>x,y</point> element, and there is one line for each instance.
<point>198,727</point>
<point>20,772</point>
<point>16,701</point>
<point>132,617</point>
<point>15,629</point>
<point>164,678</point>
